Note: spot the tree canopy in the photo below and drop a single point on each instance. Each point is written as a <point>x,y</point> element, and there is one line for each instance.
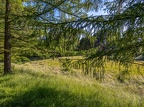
<point>64,22</point>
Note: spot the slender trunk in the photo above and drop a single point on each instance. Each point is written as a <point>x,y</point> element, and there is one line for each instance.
<point>7,45</point>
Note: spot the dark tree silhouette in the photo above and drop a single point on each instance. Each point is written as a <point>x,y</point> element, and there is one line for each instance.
<point>7,46</point>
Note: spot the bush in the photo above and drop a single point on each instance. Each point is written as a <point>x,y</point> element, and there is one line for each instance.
<point>19,59</point>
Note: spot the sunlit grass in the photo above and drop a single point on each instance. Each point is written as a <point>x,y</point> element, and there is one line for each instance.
<point>32,90</point>
<point>42,84</point>
<point>134,68</point>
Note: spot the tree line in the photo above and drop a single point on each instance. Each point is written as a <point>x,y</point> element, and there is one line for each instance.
<point>65,23</point>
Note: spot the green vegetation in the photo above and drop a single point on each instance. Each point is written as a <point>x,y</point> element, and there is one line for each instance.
<point>109,73</point>
<point>38,29</point>
<point>95,69</point>
<point>42,84</point>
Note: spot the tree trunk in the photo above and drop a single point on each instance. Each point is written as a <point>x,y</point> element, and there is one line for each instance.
<point>7,44</point>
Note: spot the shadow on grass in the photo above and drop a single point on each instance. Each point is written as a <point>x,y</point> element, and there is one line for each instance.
<point>48,97</point>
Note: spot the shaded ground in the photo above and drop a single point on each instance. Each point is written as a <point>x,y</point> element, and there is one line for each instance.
<point>140,58</point>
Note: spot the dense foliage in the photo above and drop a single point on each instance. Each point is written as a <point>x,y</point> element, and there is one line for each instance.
<point>40,27</point>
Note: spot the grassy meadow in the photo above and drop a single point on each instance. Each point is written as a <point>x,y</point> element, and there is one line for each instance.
<point>42,83</point>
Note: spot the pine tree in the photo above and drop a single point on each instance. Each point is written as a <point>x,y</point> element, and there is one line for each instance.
<point>12,30</point>
<point>123,25</point>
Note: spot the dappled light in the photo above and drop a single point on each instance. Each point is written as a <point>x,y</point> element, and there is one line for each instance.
<point>72,53</point>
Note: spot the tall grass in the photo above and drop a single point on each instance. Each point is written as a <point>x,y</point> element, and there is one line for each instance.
<point>32,87</point>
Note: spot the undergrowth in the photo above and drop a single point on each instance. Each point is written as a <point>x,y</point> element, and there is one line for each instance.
<point>37,84</point>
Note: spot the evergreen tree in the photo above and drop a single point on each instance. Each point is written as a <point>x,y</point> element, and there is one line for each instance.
<point>40,15</point>
<point>14,29</point>
<point>65,19</point>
